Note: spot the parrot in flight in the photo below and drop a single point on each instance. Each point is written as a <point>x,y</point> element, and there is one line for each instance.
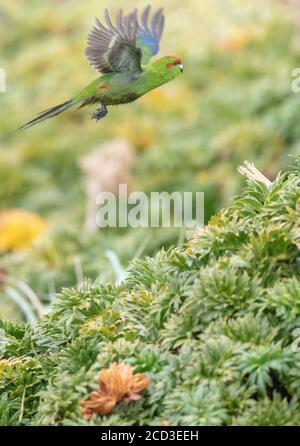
<point>122,54</point>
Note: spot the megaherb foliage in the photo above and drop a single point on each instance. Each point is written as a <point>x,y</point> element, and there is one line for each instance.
<point>234,101</point>
<point>211,325</point>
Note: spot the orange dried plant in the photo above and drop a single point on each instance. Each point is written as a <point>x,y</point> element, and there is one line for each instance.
<point>117,383</point>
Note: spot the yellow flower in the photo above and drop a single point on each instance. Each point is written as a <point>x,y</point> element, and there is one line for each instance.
<point>19,228</point>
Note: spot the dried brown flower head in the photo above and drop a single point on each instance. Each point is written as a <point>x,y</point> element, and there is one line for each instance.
<point>104,170</point>
<point>118,383</point>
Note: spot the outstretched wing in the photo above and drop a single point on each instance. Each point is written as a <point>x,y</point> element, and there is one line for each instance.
<point>113,48</point>
<point>149,33</point>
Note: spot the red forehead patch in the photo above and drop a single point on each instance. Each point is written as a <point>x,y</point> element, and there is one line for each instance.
<point>177,61</point>
<point>102,87</point>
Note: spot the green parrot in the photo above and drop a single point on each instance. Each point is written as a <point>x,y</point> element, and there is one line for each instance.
<point>121,53</point>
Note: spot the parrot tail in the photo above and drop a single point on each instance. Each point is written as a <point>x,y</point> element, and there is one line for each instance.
<point>53,111</point>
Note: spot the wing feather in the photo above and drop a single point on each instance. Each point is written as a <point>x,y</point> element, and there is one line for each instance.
<point>112,48</point>
<point>149,33</point>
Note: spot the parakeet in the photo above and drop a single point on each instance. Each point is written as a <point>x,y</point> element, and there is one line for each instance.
<point>122,54</point>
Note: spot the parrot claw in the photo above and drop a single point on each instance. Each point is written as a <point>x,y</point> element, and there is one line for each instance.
<point>100,113</point>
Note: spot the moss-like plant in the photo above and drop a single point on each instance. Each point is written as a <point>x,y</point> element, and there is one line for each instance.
<point>210,324</point>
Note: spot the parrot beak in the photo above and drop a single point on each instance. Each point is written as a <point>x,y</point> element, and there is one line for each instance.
<point>181,67</point>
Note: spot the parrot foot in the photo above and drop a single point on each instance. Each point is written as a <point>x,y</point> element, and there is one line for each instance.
<point>100,113</point>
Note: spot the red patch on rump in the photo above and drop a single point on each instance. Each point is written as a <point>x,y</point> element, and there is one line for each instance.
<point>177,61</point>
<point>102,87</point>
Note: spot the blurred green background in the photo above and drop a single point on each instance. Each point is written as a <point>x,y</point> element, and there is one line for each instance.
<point>234,102</point>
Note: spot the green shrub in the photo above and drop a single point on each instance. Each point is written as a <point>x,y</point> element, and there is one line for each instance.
<point>211,324</point>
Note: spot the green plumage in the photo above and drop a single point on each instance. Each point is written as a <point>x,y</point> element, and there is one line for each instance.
<point>121,53</point>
